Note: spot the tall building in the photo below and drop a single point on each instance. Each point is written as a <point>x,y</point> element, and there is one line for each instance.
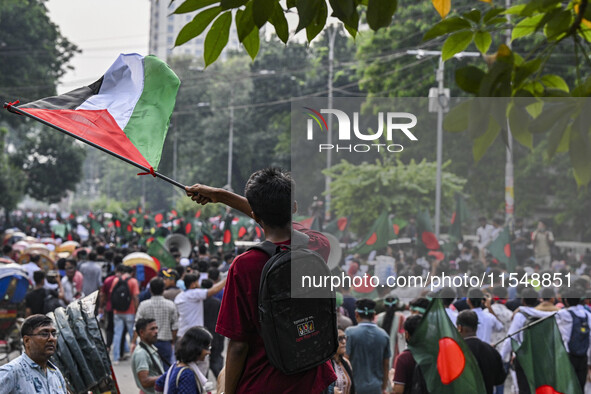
<point>165,27</point>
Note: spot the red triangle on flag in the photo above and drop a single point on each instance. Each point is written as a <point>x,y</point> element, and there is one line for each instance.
<point>450,360</point>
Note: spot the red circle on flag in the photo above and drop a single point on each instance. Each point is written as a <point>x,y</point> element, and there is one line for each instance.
<point>546,389</point>
<point>372,240</point>
<point>198,214</point>
<point>258,231</point>
<point>117,223</point>
<point>206,239</point>
<point>134,220</point>
<point>438,255</point>
<point>507,250</point>
<point>453,218</point>
<point>227,236</point>
<point>396,229</point>
<point>242,232</point>
<point>430,240</point>
<point>188,228</point>
<point>158,218</point>
<point>450,360</point>
<point>342,224</point>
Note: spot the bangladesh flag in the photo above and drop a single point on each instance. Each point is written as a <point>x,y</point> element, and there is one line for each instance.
<point>228,237</point>
<point>161,254</point>
<point>126,112</point>
<point>311,223</point>
<point>502,250</point>
<point>545,361</point>
<point>337,227</point>
<point>457,218</point>
<point>446,362</point>
<point>381,232</point>
<point>241,226</point>
<point>398,224</point>
<point>95,226</point>
<point>425,236</point>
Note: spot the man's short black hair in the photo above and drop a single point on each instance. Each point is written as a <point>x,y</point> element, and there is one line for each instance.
<point>33,322</point>
<point>448,295</point>
<point>529,297</point>
<point>572,296</point>
<point>475,296</point>
<point>156,286</point>
<point>548,293</point>
<point>467,318</point>
<point>38,277</point>
<point>189,348</point>
<point>189,279</point>
<point>6,250</point>
<point>411,323</point>
<point>213,273</point>
<point>269,193</point>
<point>142,323</point>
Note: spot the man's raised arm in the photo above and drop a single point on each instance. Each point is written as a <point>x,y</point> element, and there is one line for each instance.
<point>203,194</point>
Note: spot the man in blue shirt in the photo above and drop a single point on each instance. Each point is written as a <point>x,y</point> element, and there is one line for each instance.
<point>368,347</point>
<point>32,372</point>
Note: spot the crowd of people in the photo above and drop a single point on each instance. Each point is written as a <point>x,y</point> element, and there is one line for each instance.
<point>174,326</point>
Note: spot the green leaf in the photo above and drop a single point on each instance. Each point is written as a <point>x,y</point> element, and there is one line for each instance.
<point>262,10</point>
<point>579,152</point>
<point>217,38</point>
<point>279,21</point>
<point>193,5</point>
<point>380,12</point>
<point>518,123</point>
<point>244,22</point>
<point>555,137</point>
<point>252,43</point>
<point>307,10</point>
<point>230,4</point>
<point>197,25</point>
<point>482,143</point>
<point>455,43</point>
<point>496,21</point>
<point>517,10</point>
<point>345,10</point>
<point>526,69</point>
<point>554,81</point>
<point>482,40</point>
<point>558,25</point>
<point>448,25</point>
<point>492,13</point>
<point>456,120</point>
<point>473,15</point>
<point>554,114</point>
<point>318,23</point>
<point>526,27</point>
<point>469,78</point>
<point>353,23</point>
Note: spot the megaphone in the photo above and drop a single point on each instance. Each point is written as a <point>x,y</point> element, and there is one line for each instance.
<point>182,243</point>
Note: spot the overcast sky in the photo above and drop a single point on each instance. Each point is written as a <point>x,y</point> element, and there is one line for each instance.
<point>102,29</point>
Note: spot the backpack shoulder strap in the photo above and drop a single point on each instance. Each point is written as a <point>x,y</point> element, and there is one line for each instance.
<point>178,376</point>
<point>267,247</point>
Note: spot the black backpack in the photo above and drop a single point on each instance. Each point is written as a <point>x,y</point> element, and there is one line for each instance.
<point>418,384</point>
<point>299,332</point>
<point>579,336</point>
<point>121,296</point>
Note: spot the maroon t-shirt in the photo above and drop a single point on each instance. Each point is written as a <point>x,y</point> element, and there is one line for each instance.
<point>404,366</point>
<point>239,320</point>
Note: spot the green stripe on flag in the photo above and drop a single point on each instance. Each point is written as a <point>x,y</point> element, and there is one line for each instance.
<point>149,121</point>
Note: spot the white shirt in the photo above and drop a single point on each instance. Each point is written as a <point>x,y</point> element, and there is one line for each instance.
<point>505,315</point>
<point>484,235</point>
<point>190,306</point>
<point>487,323</point>
<point>453,315</point>
<point>31,268</point>
<point>565,325</point>
<point>518,322</point>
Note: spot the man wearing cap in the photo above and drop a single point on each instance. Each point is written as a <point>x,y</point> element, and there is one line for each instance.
<point>170,276</point>
<point>368,347</point>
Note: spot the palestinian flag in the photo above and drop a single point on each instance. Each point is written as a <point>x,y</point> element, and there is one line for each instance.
<point>161,254</point>
<point>126,112</point>
<point>457,218</point>
<point>502,250</point>
<point>447,364</point>
<point>380,233</point>
<point>544,360</point>
<point>425,236</point>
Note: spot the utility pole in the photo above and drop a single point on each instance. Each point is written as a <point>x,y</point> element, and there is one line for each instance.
<point>332,33</point>
<point>509,190</point>
<point>441,97</point>
<point>230,139</point>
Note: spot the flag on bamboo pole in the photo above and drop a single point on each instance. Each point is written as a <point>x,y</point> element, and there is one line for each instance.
<point>380,233</point>
<point>159,252</point>
<point>425,236</point>
<point>125,112</point>
<point>502,250</point>
<point>544,360</point>
<point>457,218</point>
<point>447,364</point>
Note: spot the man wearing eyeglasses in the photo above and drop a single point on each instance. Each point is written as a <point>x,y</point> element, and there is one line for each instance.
<point>32,372</point>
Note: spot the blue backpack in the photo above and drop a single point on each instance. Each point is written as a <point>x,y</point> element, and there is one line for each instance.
<point>579,335</point>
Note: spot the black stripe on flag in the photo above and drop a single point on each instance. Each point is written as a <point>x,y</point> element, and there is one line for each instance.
<point>70,100</point>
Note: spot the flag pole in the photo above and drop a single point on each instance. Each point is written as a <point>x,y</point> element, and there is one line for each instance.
<point>524,328</point>
<point>12,108</point>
